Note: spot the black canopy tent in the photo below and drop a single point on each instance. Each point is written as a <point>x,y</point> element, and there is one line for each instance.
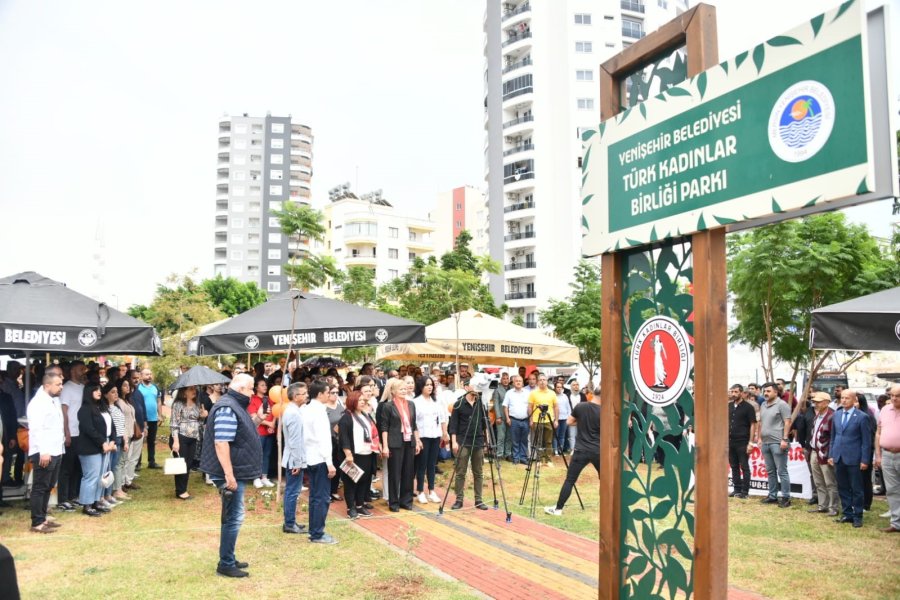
<point>39,314</point>
<point>869,323</point>
<point>297,321</point>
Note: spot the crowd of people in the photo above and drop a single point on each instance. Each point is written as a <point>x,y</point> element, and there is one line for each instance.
<point>86,427</point>
<point>849,446</point>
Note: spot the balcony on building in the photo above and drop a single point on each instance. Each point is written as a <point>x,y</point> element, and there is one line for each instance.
<point>517,174</point>
<point>632,6</point>
<point>521,124</point>
<point>224,157</point>
<point>221,223</point>
<point>221,205</point>
<point>360,232</point>
<point>632,29</point>
<point>523,295</point>
<point>300,184</point>
<point>518,235</point>
<point>517,39</point>
<point>513,10</point>
<point>301,128</point>
<point>515,88</point>
<point>301,161</point>
<point>518,149</point>
<point>221,238</point>
<point>303,171</point>
<point>361,257</point>
<point>300,194</point>
<point>301,137</point>
<point>420,241</point>
<point>517,64</point>
<point>222,187</point>
<point>301,153</point>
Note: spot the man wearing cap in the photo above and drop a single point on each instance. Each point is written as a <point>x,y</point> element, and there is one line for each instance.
<point>467,429</point>
<point>887,454</point>
<point>822,472</point>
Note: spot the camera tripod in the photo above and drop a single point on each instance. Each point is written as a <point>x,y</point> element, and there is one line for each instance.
<point>534,459</point>
<point>479,418</point>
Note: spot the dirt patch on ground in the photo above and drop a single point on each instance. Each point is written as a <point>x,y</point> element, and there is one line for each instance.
<point>400,587</point>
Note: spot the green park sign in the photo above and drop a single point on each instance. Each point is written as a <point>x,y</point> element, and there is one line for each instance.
<point>782,127</point>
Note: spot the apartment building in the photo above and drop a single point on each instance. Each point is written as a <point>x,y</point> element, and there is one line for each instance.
<point>461,208</point>
<point>263,162</point>
<point>367,231</point>
<point>541,78</point>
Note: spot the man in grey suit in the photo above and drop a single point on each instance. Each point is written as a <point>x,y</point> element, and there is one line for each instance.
<point>850,454</point>
<point>293,460</point>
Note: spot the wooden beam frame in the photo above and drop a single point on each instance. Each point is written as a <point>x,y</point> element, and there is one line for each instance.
<point>696,30</point>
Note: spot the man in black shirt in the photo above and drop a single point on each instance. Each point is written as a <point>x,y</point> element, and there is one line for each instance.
<point>741,429</point>
<point>466,429</point>
<point>586,415</point>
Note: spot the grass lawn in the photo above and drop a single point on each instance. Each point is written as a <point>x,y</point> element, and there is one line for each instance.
<point>778,553</point>
<point>158,547</point>
<point>155,546</point>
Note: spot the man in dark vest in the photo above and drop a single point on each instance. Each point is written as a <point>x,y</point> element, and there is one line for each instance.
<point>231,456</point>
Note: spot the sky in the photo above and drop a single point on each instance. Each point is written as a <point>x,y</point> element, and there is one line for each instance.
<point>109,116</point>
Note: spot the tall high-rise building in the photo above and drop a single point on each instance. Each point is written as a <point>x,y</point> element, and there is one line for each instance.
<point>263,163</point>
<point>461,208</point>
<point>541,75</point>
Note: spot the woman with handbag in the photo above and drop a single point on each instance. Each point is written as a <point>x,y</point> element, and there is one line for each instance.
<point>185,426</point>
<point>95,442</point>
<point>111,397</point>
<point>127,433</point>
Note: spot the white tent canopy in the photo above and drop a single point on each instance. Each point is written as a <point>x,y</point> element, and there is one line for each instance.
<point>482,339</point>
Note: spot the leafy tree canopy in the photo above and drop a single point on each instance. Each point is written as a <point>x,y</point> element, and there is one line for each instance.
<point>232,296</point>
<point>576,319</point>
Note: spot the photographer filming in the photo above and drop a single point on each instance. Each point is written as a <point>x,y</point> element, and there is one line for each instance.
<point>587,447</point>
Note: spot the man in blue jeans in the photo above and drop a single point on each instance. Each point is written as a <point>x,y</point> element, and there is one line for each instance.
<point>317,455</point>
<point>515,411</point>
<point>231,456</point>
<point>774,425</point>
<point>293,460</point>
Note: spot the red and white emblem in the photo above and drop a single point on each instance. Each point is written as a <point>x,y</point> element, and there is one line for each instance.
<point>660,360</point>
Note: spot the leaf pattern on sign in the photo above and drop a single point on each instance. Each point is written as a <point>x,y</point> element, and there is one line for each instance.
<point>653,78</point>
<point>657,502</point>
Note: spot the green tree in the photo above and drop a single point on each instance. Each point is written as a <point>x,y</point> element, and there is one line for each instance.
<point>461,256</point>
<point>429,293</point>
<point>232,296</point>
<point>303,224</point>
<point>358,286</point>
<point>780,273</point>
<point>576,319</point>
<point>179,308</point>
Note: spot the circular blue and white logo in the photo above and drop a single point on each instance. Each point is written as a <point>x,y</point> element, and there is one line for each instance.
<point>801,121</point>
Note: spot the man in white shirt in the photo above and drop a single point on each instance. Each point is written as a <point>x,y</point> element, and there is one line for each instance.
<point>70,470</point>
<point>46,443</point>
<point>292,460</point>
<point>317,454</point>
<point>515,411</point>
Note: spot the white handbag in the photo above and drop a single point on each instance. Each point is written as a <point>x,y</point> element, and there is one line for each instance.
<point>107,479</point>
<point>175,466</point>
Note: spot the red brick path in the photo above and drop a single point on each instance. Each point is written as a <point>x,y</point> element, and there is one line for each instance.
<point>522,559</point>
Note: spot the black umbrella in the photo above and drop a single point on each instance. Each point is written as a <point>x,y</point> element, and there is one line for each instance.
<point>318,323</point>
<point>38,314</point>
<point>870,323</point>
<point>198,375</point>
<point>324,362</point>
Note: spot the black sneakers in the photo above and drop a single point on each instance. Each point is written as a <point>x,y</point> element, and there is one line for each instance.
<point>231,572</point>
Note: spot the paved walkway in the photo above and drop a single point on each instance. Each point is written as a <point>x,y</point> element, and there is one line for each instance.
<point>522,559</point>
